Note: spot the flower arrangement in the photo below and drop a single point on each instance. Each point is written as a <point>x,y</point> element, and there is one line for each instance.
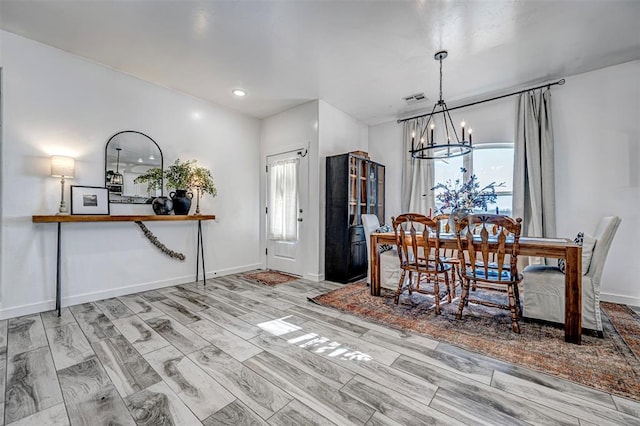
<point>465,196</point>
<point>180,176</point>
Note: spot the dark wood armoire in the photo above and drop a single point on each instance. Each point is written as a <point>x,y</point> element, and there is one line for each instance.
<point>355,186</point>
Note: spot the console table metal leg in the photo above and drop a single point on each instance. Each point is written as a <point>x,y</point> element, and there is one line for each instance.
<point>58,307</point>
<point>200,254</point>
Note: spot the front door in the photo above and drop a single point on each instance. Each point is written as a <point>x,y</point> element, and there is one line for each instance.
<point>286,183</point>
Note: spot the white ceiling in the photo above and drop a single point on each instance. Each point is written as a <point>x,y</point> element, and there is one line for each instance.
<point>360,56</point>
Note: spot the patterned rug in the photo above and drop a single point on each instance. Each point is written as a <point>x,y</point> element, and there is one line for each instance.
<point>611,364</point>
<point>269,278</point>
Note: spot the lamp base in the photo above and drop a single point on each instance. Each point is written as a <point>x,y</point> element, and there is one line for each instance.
<point>62,210</point>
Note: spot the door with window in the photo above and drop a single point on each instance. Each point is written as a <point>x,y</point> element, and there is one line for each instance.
<point>286,201</point>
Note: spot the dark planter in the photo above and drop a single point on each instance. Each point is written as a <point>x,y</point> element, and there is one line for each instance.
<point>181,201</point>
<point>162,205</point>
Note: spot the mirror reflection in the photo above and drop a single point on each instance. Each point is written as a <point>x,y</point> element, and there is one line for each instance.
<point>128,155</point>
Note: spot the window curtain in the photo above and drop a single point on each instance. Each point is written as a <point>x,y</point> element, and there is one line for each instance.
<point>283,200</point>
<point>417,175</point>
<point>533,179</point>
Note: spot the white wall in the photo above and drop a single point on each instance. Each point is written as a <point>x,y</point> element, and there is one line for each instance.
<point>385,147</point>
<point>597,151</point>
<point>292,130</point>
<point>597,139</point>
<point>325,130</point>
<point>338,133</point>
<point>57,103</point>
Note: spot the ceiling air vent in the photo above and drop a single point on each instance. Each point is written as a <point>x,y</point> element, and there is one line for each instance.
<point>416,98</point>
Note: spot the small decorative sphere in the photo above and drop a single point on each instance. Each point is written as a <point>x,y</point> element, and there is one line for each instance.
<point>162,205</point>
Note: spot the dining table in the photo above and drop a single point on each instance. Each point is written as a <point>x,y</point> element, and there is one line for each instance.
<point>559,248</point>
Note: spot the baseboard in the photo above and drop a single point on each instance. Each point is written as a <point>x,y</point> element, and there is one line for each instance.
<point>238,270</point>
<point>34,308</point>
<point>617,298</point>
<point>314,277</point>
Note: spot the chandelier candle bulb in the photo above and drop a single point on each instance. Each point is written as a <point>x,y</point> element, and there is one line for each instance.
<point>470,130</point>
<point>462,125</point>
<point>432,127</point>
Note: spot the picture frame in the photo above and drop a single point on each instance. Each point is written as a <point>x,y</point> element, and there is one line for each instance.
<point>89,200</point>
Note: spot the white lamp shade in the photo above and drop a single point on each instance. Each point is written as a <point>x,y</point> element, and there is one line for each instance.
<point>62,166</point>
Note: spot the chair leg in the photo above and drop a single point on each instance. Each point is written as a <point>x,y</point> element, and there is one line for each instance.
<point>411,282</point>
<point>399,290</point>
<point>447,283</point>
<point>516,292</point>
<point>463,297</point>
<point>512,308</point>
<point>453,280</point>
<point>436,291</point>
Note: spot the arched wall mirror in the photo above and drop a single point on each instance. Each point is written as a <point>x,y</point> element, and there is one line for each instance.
<point>129,154</point>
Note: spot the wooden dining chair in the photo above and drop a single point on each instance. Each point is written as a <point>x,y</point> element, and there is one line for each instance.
<point>485,258</point>
<point>419,259</point>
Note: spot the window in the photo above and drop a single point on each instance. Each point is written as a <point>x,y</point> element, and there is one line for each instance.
<point>491,162</point>
<point>283,200</point>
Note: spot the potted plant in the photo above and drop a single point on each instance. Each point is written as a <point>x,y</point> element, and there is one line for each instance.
<point>460,198</point>
<point>465,196</point>
<point>181,176</point>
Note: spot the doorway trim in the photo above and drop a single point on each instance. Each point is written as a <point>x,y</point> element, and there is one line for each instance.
<point>302,150</point>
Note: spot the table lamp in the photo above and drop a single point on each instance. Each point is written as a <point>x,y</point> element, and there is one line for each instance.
<point>62,167</point>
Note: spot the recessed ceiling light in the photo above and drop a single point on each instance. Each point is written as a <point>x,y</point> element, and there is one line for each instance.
<point>140,160</point>
<point>239,92</point>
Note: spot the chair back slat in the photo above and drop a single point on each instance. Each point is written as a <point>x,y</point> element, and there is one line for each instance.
<point>442,225</point>
<point>471,254</point>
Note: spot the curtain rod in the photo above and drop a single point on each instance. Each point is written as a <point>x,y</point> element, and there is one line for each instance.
<point>559,83</point>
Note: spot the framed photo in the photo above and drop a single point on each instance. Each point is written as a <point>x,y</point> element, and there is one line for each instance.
<point>89,200</point>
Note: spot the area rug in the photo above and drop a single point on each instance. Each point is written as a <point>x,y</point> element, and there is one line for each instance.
<point>269,278</point>
<point>610,364</point>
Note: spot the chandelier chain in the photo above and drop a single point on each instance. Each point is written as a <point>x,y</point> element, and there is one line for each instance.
<point>440,79</point>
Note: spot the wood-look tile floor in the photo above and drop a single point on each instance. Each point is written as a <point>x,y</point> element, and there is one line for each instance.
<point>239,353</point>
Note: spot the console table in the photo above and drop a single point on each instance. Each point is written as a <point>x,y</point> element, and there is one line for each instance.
<point>59,219</point>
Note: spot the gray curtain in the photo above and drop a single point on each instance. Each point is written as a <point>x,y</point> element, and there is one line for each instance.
<point>533,179</point>
<point>417,175</point>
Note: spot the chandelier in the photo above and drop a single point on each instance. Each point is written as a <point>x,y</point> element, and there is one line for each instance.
<point>446,144</point>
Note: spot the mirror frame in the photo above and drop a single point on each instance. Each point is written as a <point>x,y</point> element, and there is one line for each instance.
<point>106,150</point>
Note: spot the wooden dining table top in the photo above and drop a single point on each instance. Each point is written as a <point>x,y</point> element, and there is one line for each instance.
<point>529,246</point>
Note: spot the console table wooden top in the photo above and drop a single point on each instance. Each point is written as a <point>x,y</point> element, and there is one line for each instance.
<point>116,218</point>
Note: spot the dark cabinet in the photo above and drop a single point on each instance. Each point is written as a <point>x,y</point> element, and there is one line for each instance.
<point>355,186</point>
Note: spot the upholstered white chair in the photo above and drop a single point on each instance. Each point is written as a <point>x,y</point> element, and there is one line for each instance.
<point>544,285</point>
<point>389,261</point>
